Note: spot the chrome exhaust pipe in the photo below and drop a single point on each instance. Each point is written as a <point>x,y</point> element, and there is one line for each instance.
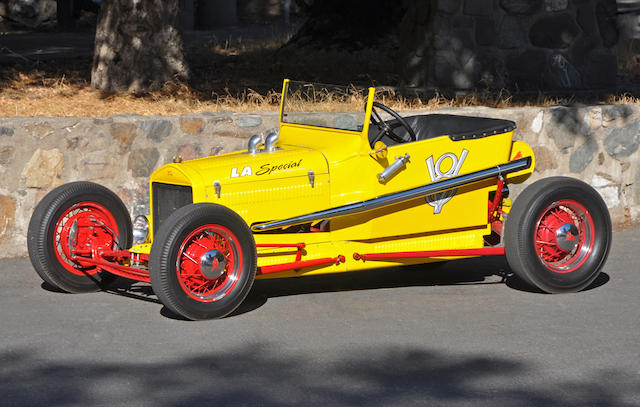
<point>397,197</point>
<point>270,142</point>
<point>254,144</point>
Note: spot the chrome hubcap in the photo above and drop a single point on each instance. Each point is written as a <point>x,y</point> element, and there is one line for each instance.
<point>212,264</point>
<point>567,237</point>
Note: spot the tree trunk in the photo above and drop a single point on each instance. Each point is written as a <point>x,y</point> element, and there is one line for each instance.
<point>138,45</point>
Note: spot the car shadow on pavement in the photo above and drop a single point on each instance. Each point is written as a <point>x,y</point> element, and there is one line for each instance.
<point>472,271</point>
<point>135,290</point>
<point>51,288</point>
<point>514,282</point>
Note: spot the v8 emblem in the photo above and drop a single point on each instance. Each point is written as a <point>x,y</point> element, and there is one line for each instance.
<point>435,172</point>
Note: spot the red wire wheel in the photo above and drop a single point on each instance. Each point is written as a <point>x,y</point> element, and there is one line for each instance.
<point>203,261</point>
<point>565,235</point>
<point>83,228</point>
<point>216,250</point>
<point>76,219</point>
<point>557,235</point>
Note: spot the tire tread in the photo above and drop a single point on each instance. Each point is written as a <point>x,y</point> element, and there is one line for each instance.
<point>162,251</point>
<point>524,210</point>
<point>41,220</point>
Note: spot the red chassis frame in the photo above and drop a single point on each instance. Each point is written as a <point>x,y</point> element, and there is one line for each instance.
<point>111,261</point>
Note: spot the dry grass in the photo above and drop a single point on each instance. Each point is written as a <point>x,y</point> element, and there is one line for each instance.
<point>353,99</point>
<point>233,75</point>
<point>67,100</point>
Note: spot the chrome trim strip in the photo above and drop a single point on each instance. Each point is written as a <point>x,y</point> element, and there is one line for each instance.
<point>390,199</point>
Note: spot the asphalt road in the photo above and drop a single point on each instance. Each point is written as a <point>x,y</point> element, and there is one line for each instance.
<point>455,335</point>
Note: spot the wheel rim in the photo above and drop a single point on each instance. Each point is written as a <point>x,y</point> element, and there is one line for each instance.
<point>95,231</point>
<point>564,236</point>
<point>209,263</point>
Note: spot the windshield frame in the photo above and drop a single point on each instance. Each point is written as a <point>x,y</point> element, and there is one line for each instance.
<point>367,113</point>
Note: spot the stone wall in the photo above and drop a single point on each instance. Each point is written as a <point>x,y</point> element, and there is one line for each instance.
<point>517,44</point>
<point>120,152</point>
<point>598,144</point>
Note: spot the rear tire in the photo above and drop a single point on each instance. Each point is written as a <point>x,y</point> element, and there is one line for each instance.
<point>558,235</point>
<point>195,234</point>
<point>49,232</point>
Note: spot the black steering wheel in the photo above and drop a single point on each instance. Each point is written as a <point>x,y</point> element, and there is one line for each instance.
<point>385,129</point>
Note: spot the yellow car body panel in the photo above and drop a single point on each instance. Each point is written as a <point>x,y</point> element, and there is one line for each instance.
<point>317,168</point>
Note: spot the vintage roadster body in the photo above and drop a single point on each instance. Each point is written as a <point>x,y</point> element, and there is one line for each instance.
<point>326,192</point>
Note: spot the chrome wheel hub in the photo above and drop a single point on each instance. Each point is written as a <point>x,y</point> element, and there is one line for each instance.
<point>212,264</point>
<point>567,237</point>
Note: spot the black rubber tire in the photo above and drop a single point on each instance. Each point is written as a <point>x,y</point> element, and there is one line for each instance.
<point>40,234</point>
<point>520,229</point>
<point>164,253</point>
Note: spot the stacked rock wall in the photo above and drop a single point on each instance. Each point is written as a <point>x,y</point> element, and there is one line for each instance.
<point>517,44</point>
<point>120,152</point>
<point>598,144</point>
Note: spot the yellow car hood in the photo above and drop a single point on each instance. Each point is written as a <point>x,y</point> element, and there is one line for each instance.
<point>239,167</point>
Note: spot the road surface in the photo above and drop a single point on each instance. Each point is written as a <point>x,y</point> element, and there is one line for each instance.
<point>456,335</point>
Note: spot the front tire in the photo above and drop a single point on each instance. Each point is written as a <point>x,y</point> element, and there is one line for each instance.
<point>100,220</point>
<point>558,235</point>
<point>203,261</point>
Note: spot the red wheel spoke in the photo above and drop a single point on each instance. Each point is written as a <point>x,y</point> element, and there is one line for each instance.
<point>85,215</point>
<point>545,226</point>
<point>190,258</point>
<point>553,213</point>
<point>190,274</point>
<point>564,236</point>
<point>202,285</point>
<point>200,243</point>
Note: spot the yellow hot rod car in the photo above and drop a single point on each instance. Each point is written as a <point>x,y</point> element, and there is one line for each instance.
<point>326,192</point>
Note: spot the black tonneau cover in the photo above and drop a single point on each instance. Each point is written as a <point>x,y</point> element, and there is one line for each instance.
<point>455,127</point>
<point>461,127</point>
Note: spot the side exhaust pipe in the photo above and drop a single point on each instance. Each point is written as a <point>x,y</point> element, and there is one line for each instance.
<point>254,144</point>
<point>397,197</point>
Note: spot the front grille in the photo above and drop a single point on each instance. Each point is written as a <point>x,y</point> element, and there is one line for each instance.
<point>166,199</point>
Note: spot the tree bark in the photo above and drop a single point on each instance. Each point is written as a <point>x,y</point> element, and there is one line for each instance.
<point>138,45</point>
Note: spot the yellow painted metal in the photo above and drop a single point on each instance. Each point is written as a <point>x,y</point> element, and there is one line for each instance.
<point>521,149</point>
<point>274,185</point>
<point>417,216</point>
<point>141,248</point>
